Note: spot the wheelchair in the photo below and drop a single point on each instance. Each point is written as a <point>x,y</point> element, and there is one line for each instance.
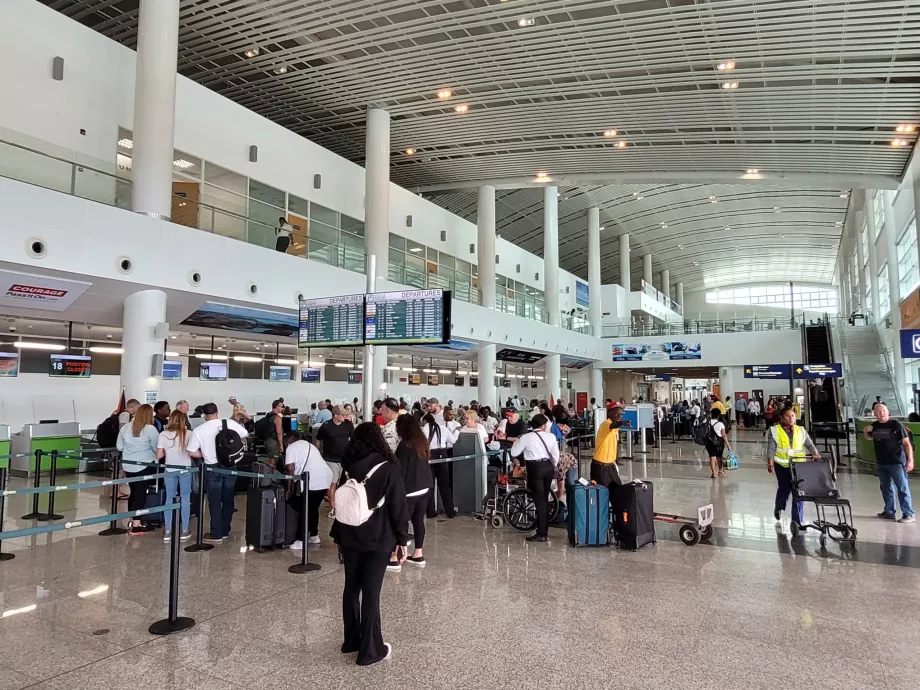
<point>511,502</point>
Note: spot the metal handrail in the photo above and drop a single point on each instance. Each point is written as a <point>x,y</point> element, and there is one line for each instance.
<point>61,160</point>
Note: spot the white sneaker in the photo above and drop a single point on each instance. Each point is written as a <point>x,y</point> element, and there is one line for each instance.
<point>313,540</point>
<point>297,546</point>
<point>389,650</point>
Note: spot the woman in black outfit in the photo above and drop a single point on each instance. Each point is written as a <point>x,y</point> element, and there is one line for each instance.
<point>412,454</point>
<point>366,548</point>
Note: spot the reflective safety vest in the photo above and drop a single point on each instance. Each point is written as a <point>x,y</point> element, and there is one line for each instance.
<point>786,451</point>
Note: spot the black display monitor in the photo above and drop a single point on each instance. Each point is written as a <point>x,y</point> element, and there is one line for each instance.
<point>309,375</point>
<point>71,366</point>
<point>407,317</point>
<point>331,321</point>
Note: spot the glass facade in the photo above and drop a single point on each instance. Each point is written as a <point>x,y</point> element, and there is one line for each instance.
<point>908,273</point>
<point>878,211</point>
<point>800,298</point>
<point>864,241</point>
<point>884,294</point>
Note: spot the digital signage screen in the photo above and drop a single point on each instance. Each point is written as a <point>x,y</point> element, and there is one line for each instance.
<point>308,375</point>
<point>9,364</point>
<point>331,321</point>
<point>279,374</point>
<point>71,366</point>
<point>409,317</point>
<point>518,356</point>
<point>172,370</point>
<point>213,371</point>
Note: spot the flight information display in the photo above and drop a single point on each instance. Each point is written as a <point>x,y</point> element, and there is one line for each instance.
<point>331,321</point>
<point>408,317</point>
<point>71,366</point>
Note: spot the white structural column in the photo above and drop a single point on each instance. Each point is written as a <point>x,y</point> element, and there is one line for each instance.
<point>596,386</point>
<point>647,268</point>
<point>894,287</point>
<point>485,225</point>
<point>855,225</point>
<point>624,262</point>
<point>551,280</point>
<point>873,256</point>
<point>916,190</point>
<point>154,108</point>
<point>144,311</point>
<point>666,282</point>
<point>595,308</point>
<point>377,224</point>
<point>679,295</point>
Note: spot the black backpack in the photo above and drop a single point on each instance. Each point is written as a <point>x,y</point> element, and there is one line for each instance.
<point>703,433</point>
<point>228,445</point>
<point>107,432</point>
<point>265,427</point>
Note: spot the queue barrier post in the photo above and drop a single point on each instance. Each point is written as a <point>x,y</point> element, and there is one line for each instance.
<point>305,566</point>
<point>174,622</point>
<point>199,544</point>
<point>3,474</point>
<point>113,527</point>
<point>35,514</point>
<point>52,481</point>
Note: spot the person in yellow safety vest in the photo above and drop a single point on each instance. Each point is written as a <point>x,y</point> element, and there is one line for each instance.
<point>787,442</point>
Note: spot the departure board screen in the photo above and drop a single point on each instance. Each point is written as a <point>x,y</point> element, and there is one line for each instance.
<point>408,317</point>
<point>331,321</point>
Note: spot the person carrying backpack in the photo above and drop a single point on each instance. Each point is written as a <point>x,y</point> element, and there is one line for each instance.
<point>220,443</point>
<point>371,523</point>
<point>715,439</point>
<point>270,431</point>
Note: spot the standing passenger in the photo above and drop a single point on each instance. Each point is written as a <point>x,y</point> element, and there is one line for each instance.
<point>172,446</point>
<point>137,442</point>
<point>412,454</point>
<point>541,453</point>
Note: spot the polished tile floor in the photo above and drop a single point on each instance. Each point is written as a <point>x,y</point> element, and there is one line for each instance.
<point>756,609</point>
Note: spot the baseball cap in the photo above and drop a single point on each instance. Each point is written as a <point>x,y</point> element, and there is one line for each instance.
<point>209,408</point>
<point>433,401</point>
<point>338,409</point>
<point>232,398</point>
<point>510,410</point>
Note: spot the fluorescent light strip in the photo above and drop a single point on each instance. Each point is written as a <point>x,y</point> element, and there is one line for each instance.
<point>291,362</point>
<point>26,345</point>
<point>107,350</point>
<point>430,371</point>
<point>391,368</point>
<point>313,365</point>
<point>171,354</point>
<point>343,365</point>
<point>244,358</point>
<point>445,371</point>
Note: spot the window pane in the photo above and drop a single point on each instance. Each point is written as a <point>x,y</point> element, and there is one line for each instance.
<point>415,248</point>
<point>225,179</point>
<point>397,242</point>
<point>324,215</point>
<point>265,194</point>
<point>297,205</point>
<point>324,233</point>
<point>352,225</point>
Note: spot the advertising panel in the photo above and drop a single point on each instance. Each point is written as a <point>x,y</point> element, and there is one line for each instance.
<point>38,292</point>
<point>657,352</point>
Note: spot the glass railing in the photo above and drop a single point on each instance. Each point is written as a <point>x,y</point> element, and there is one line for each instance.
<point>699,326</point>
<point>660,297</point>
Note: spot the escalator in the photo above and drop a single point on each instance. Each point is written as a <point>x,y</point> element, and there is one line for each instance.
<point>822,393</point>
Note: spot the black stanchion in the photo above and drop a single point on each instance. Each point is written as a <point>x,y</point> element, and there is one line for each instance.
<point>3,473</point>
<point>113,527</point>
<point>35,514</point>
<point>305,566</point>
<point>175,622</point>
<point>52,481</point>
<point>199,531</point>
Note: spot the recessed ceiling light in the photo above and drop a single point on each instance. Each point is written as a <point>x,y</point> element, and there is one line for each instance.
<point>663,224</point>
<point>680,246</point>
<point>283,69</point>
<point>409,151</point>
<point>776,209</point>
<point>906,129</point>
<point>444,94</point>
<point>640,198</point>
<point>126,143</point>
<point>610,132</point>
<point>541,173</point>
<point>728,228</point>
<point>844,195</point>
<point>839,223</point>
<point>621,144</point>
<point>727,66</point>
<point>899,142</point>
<point>462,108</point>
<point>526,21</point>
<point>183,164</point>
<point>752,171</point>
<point>696,263</point>
<point>252,52</point>
<point>729,85</point>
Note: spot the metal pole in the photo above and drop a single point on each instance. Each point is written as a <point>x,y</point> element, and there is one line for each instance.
<point>199,530</point>
<point>368,381</point>
<point>35,514</point>
<point>174,623</point>
<point>52,481</point>
<point>113,527</point>
<point>3,473</point>
<point>305,566</point>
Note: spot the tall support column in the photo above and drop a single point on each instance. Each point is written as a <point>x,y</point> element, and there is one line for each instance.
<point>486,391</point>
<point>377,224</point>
<point>647,268</point>
<point>551,279</point>
<point>679,296</point>
<point>916,190</point>
<point>143,312</point>
<point>873,256</point>
<point>596,387</point>
<point>666,282</point>
<point>625,279</point>
<point>154,108</point>
<point>894,288</point>
<point>595,309</point>
<point>856,224</point>
<point>485,226</point>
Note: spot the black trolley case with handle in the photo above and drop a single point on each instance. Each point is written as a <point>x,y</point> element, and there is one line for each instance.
<point>634,515</point>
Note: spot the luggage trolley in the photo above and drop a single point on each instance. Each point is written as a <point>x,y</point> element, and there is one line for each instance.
<point>691,530</point>
<point>814,482</point>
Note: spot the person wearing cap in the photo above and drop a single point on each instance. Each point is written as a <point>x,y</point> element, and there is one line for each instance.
<point>434,409</point>
<point>238,414</point>
<point>389,411</point>
<point>512,427</point>
<point>332,438</point>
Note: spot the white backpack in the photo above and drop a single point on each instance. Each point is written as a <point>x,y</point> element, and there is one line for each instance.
<point>351,506</point>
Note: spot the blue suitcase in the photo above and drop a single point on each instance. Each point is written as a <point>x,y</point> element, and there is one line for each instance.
<point>589,515</point>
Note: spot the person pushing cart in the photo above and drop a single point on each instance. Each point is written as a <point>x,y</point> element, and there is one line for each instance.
<point>787,442</point>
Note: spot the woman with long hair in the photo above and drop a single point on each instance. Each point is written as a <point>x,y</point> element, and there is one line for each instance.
<point>440,440</point>
<point>412,454</point>
<point>172,446</point>
<point>366,548</point>
<point>471,425</point>
<point>137,442</point>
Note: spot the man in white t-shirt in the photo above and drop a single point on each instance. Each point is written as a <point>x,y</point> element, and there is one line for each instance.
<point>302,456</point>
<point>219,485</point>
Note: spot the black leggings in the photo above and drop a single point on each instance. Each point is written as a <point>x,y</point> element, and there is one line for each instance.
<point>417,508</point>
<point>138,490</point>
<point>364,573</point>
<point>440,472</point>
<point>314,499</point>
<point>540,481</point>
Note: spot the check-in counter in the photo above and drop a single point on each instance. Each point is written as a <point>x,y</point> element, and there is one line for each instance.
<point>4,444</point>
<point>59,436</point>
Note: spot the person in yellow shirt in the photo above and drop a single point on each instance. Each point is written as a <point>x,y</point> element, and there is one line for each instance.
<point>717,405</point>
<point>604,465</point>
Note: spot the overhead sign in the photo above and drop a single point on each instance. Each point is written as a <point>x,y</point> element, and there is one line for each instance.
<point>407,317</point>
<point>508,354</point>
<point>650,352</point>
<point>573,362</point>
<point>650,378</point>
<point>766,371</point>
<point>230,317</point>
<point>331,321</point>
<point>9,364</point>
<point>71,366</point>
<point>582,294</point>
<point>818,371</point>
<point>38,292</point>
<point>910,343</point>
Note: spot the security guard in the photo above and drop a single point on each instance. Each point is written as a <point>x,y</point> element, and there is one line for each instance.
<point>787,442</point>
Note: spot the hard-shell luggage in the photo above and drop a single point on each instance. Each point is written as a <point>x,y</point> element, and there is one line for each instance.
<point>589,514</point>
<point>154,498</point>
<point>634,515</point>
<point>266,513</point>
<point>245,465</point>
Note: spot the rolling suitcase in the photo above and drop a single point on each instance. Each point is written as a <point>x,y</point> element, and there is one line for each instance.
<point>634,515</point>
<point>154,498</point>
<point>265,517</point>
<point>589,515</point>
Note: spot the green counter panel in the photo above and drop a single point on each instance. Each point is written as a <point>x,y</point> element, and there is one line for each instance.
<point>46,445</point>
<point>4,450</point>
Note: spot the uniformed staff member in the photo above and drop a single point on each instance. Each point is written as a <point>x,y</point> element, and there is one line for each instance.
<point>787,442</point>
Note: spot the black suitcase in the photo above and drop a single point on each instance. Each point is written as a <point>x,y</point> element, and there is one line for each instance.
<point>245,464</point>
<point>634,515</point>
<point>266,513</point>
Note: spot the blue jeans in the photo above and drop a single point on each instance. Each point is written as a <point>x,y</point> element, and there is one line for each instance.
<point>888,474</point>
<point>783,489</point>
<point>182,482</point>
<point>220,502</point>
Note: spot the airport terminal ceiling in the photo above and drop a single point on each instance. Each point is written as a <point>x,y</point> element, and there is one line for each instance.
<point>782,107</point>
